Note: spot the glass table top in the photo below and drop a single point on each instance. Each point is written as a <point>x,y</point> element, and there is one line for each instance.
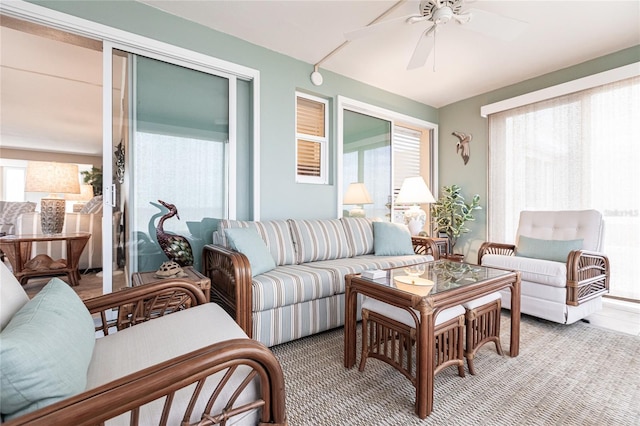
<point>435,277</point>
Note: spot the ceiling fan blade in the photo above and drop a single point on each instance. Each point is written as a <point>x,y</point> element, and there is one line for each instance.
<point>423,49</point>
<point>378,27</point>
<point>494,25</point>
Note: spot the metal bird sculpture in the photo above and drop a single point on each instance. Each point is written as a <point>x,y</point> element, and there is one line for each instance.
<point>462,147</point>
<point>176,247</point>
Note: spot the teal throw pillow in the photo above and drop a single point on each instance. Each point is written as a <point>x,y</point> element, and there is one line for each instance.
<point>45,351</point>
<point>556,250</point>
<point>391,239</point>
<point>248,242</point>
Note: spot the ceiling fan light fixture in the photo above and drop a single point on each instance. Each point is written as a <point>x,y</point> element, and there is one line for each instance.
<point>443,15</point>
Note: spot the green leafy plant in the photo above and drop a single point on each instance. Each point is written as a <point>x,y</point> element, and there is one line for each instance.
<point>93,177</point>
<point>450,213</point>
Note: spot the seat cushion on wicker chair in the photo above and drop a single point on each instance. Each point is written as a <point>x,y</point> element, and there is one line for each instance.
<point>541,271</point>
<point>403,316</point>
<point>481,301</point>
<point>133,349</point>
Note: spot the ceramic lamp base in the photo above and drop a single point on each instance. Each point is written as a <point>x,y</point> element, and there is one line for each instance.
<point>52,215</point>
<point>415,218</point>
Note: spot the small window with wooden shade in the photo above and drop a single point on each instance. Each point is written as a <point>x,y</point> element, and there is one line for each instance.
<point>311,139</point>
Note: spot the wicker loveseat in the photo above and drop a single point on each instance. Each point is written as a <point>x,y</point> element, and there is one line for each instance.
<point>302,292</point>
<point>149,368</point>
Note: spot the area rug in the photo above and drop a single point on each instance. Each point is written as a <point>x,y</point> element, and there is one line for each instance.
<point>564,375</point>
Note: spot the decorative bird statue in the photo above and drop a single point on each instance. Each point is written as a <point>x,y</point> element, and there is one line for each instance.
<point>462,147</point>
<point>176,247</point>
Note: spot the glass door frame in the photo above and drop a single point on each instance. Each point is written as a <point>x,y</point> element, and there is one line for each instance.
<point>344,103</point>
<point>134,43</point>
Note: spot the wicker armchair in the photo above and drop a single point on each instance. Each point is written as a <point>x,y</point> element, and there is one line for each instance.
<point>564,272</point>
<point>227,381</point>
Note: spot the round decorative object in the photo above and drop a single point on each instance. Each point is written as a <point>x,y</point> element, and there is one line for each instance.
<point>316,78</point>
<point>170,269</point>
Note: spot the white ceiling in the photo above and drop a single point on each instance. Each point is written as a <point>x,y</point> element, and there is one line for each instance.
<point>560,34</point>
<point>63,98</point>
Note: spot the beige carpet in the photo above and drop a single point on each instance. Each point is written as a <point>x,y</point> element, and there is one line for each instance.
<point>564,375</point>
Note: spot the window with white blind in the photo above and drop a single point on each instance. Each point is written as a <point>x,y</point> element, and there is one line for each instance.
<point>312,141</point>
<point>578,151</point>
<point>407,160</point>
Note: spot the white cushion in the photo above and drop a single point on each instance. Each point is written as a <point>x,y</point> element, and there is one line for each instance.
<point>161,339</point>
<point>403,316</point>
<point>12,296</point>
<point>563,225</point>
<point>541,271</point>
<point>481,301</point>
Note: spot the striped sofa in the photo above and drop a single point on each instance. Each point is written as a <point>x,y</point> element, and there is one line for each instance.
<point>304,293</point>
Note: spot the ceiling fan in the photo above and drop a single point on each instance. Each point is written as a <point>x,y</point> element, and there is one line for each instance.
<point>437,13</point>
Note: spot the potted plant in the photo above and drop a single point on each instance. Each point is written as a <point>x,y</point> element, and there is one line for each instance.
<point>450,213</point>
<point>93,177</point>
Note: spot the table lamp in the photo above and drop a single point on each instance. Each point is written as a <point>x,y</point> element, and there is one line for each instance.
<point>414,191</point>
<point>357,195</point>
<point>86,193</point>
<point>54,178</point>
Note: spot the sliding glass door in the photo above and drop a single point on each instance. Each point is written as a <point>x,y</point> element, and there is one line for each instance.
<point>172,139</point>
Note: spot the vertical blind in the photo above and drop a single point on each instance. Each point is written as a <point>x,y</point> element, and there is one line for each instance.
<point>578,151</point>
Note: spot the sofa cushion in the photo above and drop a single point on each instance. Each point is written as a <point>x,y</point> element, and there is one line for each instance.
<point>12,296</point>
<point>556,250</point>
<point>356,265</point>
<point>9,212</point>
<point>541,271</point>
<point>275,233</point>
<point>152,342</point>
<point>93,206</point>
<point>563,225</point>
<point>359,232</point>
<point>45,349</point>
<point>391,239</point>
<point>248,242</point>
<point>319,240</point>
<point>290,284</point>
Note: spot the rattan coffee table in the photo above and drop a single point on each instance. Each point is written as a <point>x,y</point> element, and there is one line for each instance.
<point>451,284</point>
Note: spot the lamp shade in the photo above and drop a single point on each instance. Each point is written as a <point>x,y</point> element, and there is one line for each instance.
<point>357,194</point>
<point>86,193</point>
<point>414,191</point>
<point>55,178</point>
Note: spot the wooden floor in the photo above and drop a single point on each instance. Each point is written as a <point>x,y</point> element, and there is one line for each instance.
<point>89,286</point>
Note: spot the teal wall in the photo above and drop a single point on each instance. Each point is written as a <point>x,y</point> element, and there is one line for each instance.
<point>280,77</point>
<point>464,116</point>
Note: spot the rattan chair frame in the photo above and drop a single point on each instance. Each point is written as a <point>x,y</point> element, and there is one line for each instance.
<point>162,381</point>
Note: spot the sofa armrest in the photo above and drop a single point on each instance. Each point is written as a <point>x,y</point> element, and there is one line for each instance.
<point>425,245</point>
<point>587,276</point>
<point>143,303</point>
<point>495,248</point>
<point>163,380</point>
<point>230,275</point>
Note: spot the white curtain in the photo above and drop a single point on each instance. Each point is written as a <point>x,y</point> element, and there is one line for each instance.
<point>578,151</point>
